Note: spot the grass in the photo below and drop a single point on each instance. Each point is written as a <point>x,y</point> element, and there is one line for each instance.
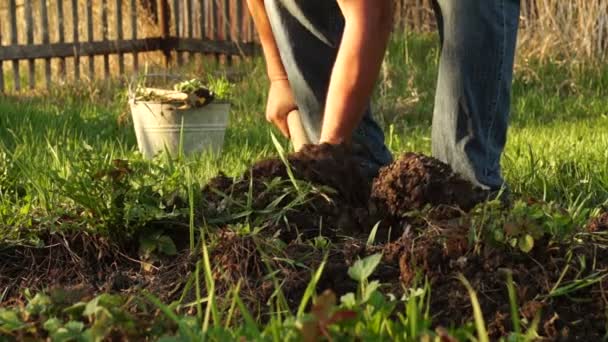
<point>55,147</point>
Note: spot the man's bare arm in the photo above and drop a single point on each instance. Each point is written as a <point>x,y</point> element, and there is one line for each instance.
<point>269,45</point>
<point>368,24</point>
<point>280,100</point>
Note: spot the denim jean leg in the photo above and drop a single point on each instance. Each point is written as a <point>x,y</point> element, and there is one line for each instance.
<point>472,103</point>
<point>308,34</point>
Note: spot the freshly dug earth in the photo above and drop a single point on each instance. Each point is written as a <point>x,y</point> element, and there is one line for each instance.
<point>599,224</point>
<point>415,181</point>
<point>434,243</point>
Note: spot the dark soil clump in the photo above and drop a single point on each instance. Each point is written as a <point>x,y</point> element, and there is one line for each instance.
<point>327,165</point>
<point>415,181</point>
<point>339,206</point>
<point>599,224</point>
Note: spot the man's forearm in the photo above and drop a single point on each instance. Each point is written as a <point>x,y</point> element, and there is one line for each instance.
<point>366,33</point>
<point>271,52</point>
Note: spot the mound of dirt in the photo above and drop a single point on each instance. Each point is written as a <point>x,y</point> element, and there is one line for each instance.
<point>324,164</point>
<point>356,205</point>
<point>415,181</point>
<point>540,280</point>
<point>341,208</point>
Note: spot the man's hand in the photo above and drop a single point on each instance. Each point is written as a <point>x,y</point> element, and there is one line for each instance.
<point>279,104</point>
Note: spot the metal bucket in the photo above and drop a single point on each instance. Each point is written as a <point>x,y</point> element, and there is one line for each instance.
<point>164,127</point>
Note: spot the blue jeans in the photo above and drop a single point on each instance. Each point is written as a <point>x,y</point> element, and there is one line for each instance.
<point>478,39</point>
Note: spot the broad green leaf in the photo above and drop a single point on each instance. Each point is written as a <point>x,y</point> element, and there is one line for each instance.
<point>526,243</point>
<point>52,325</point>
<point>348,300</point>
<point>10,320</point>
<point>39,304</point>
<point>370,289</point>
<point>363,268</point>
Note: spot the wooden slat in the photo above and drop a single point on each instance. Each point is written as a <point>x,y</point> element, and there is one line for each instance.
<point>62,50</point>
<point>164,19</point>
<point>203,18</point>
<point>75,38</point>
<point>214,47</point>
<point>215,33</point>
<point>190,15</point>
<point>104,23</point>
<point>29,29</point>
<point>44,27</point>
<point>14,41</point>
<point>134,33</point>
<point>90,37</point>
<point>59,50</point>
<point>189,8</point>
<point>240,19</point>
<point>177,17</point>
<point>61,35</point>
<point>120,36</point>
<point>2,89</point>
<point>226,18</point>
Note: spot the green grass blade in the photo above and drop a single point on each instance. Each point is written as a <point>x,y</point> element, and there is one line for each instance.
<point>480,325</point>
<point>310,289</point>
<point>513,304</point>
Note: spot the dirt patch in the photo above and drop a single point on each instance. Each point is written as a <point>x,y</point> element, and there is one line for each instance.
<point>339,204</point>
<point>599,223</point>
<point>341,207</point>
<point>90,263</point>
<point>325,164</point>
<point>540,278</point>
<point>348,203</point>
<point>415,181</point>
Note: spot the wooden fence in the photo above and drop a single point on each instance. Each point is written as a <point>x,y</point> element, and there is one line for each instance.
<point>56,40</point>
<point>38,36</point>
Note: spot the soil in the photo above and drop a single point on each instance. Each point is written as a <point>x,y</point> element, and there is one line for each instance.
<point>415,181</point>
<point>599,224</point>
<point>437,247</point>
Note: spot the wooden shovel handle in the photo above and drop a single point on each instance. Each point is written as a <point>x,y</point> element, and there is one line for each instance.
<point>299,138</point>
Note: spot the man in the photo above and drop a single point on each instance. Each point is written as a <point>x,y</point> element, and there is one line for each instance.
<point>324,56</point>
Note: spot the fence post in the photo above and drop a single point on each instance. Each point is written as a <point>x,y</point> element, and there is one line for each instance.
<point>104,23</point>
<point>227,27</point>
<point>119,36</point>
<point>44,26</point>
<point>29,28</point>
<point>134,33</point>
<point>177,16</point>
<point>215,35</point>
<point>76,39</point>
<point>1,67</point>
<point>203,19</point>
<point>164,17</point>
<point>90,38</point>
<point>61,32</point>
<point>14,41</point>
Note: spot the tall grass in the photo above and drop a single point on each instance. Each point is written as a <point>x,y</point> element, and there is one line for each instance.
<point>575,30</point>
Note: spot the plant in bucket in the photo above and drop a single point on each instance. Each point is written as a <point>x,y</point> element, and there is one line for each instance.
<point>189,117</point>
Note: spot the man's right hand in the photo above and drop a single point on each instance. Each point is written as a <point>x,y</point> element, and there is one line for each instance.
<point>279,104</point>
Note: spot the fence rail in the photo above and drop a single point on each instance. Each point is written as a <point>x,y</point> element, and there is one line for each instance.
<point>82,32</point>
<point>59,39</point>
